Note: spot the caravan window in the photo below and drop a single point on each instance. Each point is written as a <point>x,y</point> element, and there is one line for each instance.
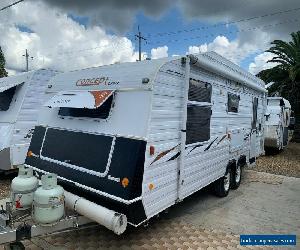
<point>198,112</point>
<point>6,98</point>
<point>198,124</point>
<point>101,112</point>
<point>233,103</point>
<point>254,110</point>
<point>199,91</point>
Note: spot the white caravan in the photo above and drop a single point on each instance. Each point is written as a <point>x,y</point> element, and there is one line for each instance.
<point>138,137</point>
<point>21,97</point>
<point>278,116</point>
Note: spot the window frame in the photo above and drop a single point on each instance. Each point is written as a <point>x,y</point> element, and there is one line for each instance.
<point>228,99</point>
<point>91,118</point>
<point>191,103</point>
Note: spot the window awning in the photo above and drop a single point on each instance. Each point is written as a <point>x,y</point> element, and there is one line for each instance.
<point>79,99</point>
<point>5,86</point>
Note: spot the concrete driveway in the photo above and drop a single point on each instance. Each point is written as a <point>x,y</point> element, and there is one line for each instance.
<point>264,204</point>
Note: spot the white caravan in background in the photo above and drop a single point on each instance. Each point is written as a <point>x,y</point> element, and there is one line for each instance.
<point>21,97</point>
<point>278,116</point>
<point>138,137</point>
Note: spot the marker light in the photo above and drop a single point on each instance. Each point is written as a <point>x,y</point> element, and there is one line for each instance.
<point>125,182</point>
<point>152,150</point>
<point>29,153</point>
<point>151,186</point>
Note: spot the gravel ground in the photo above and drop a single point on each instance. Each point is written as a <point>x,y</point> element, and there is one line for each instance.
<point>286,162</point>
<point>4,187</point>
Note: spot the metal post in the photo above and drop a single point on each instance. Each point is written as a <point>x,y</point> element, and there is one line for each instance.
<point>26,58</point>
<point>140,46</point>
<point>140,37</point>
<point>183,126</point>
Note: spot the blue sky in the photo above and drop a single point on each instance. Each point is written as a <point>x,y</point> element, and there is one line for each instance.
<point>173,21</point>
<point>175,31</point>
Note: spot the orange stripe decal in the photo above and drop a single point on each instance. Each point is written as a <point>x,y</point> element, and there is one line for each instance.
<point>100,96</point>
<point>162,154</point>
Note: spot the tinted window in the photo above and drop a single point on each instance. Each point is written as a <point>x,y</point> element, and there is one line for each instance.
<point>102,112</point>
<point>233,103</point>
<point>198,124</point>
<point>199,91</point>
<point>6,98</point>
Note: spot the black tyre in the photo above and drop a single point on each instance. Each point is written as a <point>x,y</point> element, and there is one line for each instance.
<point>236,176</point>
<point>15,246</point>
<point>222,185</point>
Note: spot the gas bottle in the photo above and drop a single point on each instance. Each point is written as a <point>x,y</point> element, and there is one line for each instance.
<point>22,188</point>
<point>48,201</point>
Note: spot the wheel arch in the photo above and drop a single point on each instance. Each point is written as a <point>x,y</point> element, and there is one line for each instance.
<point>242,161</point>
<point>231,165</point>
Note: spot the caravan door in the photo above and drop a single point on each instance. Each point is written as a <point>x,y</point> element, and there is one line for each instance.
<point>255,133</point>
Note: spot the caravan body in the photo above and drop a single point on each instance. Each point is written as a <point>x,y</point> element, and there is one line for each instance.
<point>278,116</point>
<point>21,97</point>
<point>138,137</point>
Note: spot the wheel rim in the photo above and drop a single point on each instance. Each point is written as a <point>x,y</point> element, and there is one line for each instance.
<point>226,182</point>
<point>238,174</point>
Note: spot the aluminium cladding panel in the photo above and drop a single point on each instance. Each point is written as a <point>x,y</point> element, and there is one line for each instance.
<point>272,136</point>
<point>5,159</point>
<point>203,166</point>
<point>34,97</point>
<point>11,115</point>
<point>160,175</point>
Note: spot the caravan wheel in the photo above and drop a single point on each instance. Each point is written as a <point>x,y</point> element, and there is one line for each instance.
<point>236,177</point>
<point>222,185</point>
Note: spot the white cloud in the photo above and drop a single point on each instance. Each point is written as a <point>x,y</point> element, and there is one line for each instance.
<point>198,49</point>
<point>11,72</point>
<point>159,52</point>
<point>58,41</point>
<point>234,50</point>
<point>260,63</point>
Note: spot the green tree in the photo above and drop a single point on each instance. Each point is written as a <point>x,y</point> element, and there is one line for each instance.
<point>286,74</point>
<point>3,72</point>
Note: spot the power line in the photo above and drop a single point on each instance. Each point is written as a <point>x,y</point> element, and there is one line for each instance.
<point>207,35</point>
<point>226,32</point>
<point>8,6</point>
<point>222,24</point>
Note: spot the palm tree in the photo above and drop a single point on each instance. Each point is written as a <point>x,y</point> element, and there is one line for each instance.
<point>3,72</point>
<point>286,74</point>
